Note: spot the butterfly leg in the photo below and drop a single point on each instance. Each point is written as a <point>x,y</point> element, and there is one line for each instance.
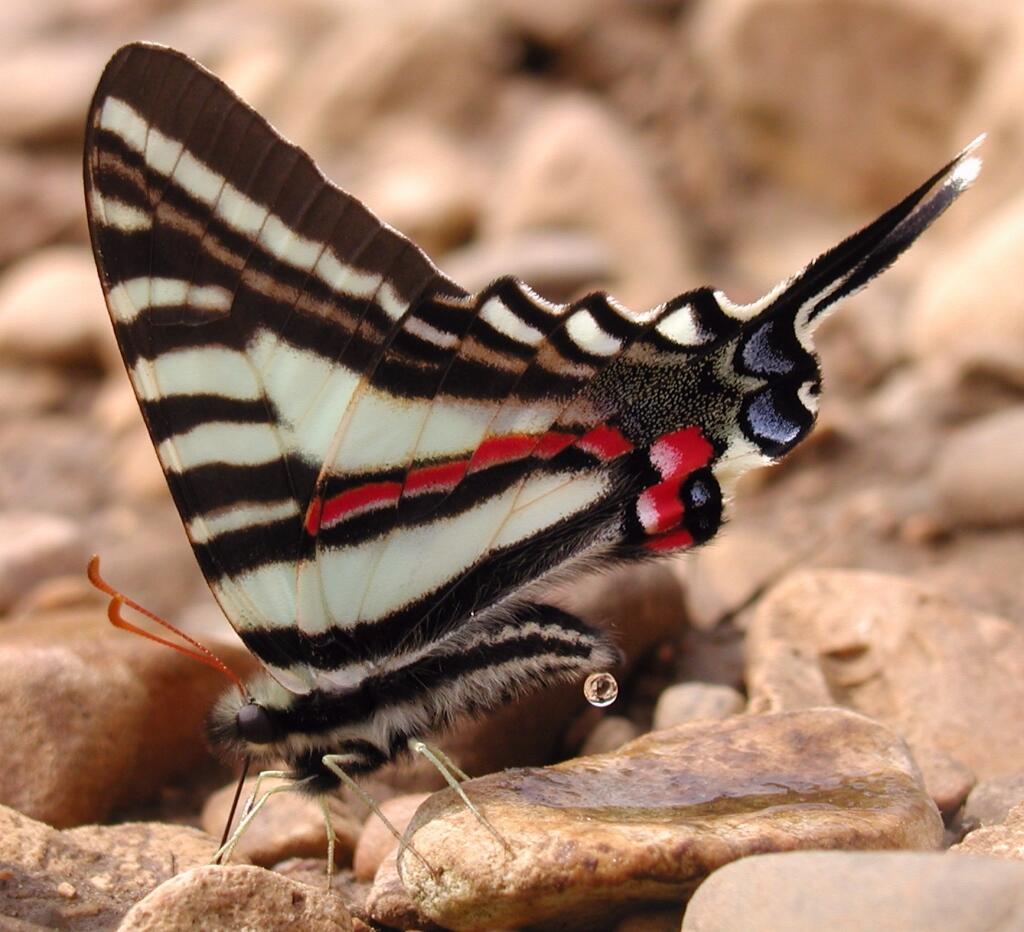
<point>250,812</point>
<point>333,763</point>
<point>453,768</point>
<point>445,767</point>
<point>329,826</point>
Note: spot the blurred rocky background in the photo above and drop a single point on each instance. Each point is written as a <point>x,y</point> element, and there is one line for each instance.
<point>840,669</point>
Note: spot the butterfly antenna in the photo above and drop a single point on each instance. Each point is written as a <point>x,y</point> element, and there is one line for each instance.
<point>117,599</point>
<point>234,804</point>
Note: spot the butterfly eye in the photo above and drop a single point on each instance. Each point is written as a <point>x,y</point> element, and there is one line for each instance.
<point>256,725</point>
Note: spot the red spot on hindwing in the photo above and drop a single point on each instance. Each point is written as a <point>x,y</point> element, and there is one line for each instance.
<point>604,442</point>
<point>681,452</point>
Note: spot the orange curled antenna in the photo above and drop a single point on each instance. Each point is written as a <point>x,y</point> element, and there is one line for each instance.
<point>117,599</point>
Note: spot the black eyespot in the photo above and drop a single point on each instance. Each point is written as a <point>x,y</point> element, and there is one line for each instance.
<point>256,725</point>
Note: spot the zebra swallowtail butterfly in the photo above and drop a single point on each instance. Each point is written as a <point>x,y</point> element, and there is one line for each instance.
<point>378,470</point>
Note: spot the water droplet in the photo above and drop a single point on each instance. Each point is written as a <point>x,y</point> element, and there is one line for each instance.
<point>601,689</point>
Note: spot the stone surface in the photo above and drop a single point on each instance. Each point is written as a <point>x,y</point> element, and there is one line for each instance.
<point>1003,840</point>
<point>694,702</point>
<point>940,675</point>
<point>226,899</point>
<point>290,825</point>
<point>574,167</point>
<point>977,476</point>
<point>375,841</point>
<point>87,878</point>
<point>991,800</point>
<point>860,892</point>
<point>92,718</point>
<point>962,320</point>
<point>52,310</point>
<point>777,68</point>
<point>34,547</point>
<point>389,903</point>
<point>947,779</point>
<point>616,833</point>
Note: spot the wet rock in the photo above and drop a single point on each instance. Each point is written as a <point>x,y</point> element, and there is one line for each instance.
<point>574,167</point>
<point>610,734</point>
<point>92,718</point>
<point>290,825</point>
<point>860,892</point>
<point>940,675</point>
<point>962,319</point>
<point>224,899</point>
<point>87,878</point>
<point>790,77</point>
<point>694,702</point>
<point>977,476</point>
<point>1003,840</point>
<point>606,835</point>
<point>557,264</point>
<point>375,841</point>
<point>34,546</point>
<point>52,310</point>
<point>990,801</point>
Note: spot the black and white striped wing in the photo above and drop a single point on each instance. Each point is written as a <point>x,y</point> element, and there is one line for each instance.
<point>368,459</point>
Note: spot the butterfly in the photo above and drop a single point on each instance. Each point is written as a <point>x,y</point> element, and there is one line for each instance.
<point>380,472</point>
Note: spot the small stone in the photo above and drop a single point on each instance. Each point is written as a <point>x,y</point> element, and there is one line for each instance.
<point>575,167</point>
<point>694,702</point>
<point>95,871</point>
<point>92,718</point>
<point>225,899</point>
<point>606,836</point>
<point>945,331</point>
<point>977,477</point>
<point>990,801</point>
<point>856,891</point>
<point>389,904</point>
<point>290,825</point>
<point>610,734</point>
<point>938,674</point>
<point>1005,840</point>
<point>948,780</point>
<point>789,78</point>
<point>557,264</point>
<point>661,920</point>
<point>33,547</point>
<point>52,310</point>
<point>375,841</point>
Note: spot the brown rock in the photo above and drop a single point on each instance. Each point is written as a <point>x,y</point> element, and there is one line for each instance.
<point>601,836</point>
<point>807,891</point>
<point>977,477</point>
<point>557,264</point>
<point>87,878</point>
<point>52,310</point>
<point>92,718</point>
<point>660,920</point>
<point>34,546</point>
<point>375,841</point>
<point>1005,840</point>
<point>225,899</point>
<point>962,319</point>
<point>313,873</point>
<point>290,825</point>
<point>610,734</point>
<point>695,702</point>
<point>808,95</point>
<point>948,780</point>
<point>990,801</point>
<point>40,200</point>
<point>29,389</point>
<point>575,168</point>
<point>437,61</point>
<point>391,905</point>
<point>941,676</point>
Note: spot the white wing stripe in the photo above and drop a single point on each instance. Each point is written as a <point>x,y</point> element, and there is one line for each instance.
<point>203,529</point>
<point>504,321</point>
<point>206,371</point>
<point>234,208</point>
<point>130,298</point>
<point>220,442</point>
<point>586,333</point>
